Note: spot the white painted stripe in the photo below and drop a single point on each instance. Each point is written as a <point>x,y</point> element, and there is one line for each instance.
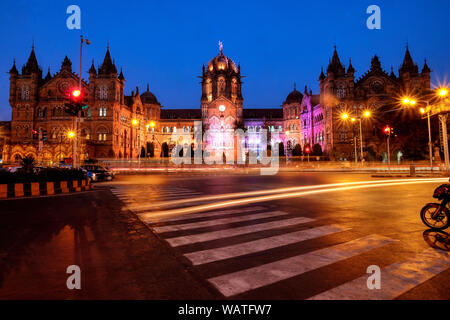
<point>253,278</point>
<point>205,215</point>
<point>220,234</point>
<point>396,279</point>
<point>216,222</point>
<point>207,256</point>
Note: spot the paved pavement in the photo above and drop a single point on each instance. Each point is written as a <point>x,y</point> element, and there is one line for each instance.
<point>216,237</point>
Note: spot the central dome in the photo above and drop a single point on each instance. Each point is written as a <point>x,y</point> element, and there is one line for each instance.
<point>221,62</point>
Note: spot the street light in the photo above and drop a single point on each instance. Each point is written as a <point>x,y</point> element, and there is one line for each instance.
<point>366,114</point>
<point>71,134</point>
<point>443,92</point>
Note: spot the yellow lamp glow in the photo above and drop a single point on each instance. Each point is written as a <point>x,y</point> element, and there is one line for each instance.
<point>443,92</point>
<point>353,119</point>
<point>405,101</point>
<point>367,113</point>
<point>152,124</point>
<point>71,134</point>
<point>344,116</point>
<point>412,102</point>
<point>134,122</point>
<point>422,110</point>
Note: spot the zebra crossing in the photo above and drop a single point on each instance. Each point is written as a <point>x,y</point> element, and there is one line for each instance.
<point>130,195</point>
<point>210,239</point>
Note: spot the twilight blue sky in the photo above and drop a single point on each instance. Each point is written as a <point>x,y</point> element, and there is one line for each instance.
<point>165,43</point>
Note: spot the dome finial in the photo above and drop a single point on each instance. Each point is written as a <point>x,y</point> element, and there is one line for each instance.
<point>220,46</point>
<point>148,88</point>
<point>295,86</point>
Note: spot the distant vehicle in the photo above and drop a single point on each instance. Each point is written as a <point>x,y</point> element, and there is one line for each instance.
<point>13,169</point>
<point>97,173</point>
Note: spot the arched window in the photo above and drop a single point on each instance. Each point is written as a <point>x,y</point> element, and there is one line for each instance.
<point>103,93</point>
<point>102,133</point>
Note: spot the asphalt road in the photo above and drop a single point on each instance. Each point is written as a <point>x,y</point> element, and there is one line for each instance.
<point>227,236</point>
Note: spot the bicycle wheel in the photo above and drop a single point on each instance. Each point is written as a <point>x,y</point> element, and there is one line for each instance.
<point>434,216</point>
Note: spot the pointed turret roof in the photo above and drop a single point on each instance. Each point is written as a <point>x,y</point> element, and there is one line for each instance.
<point>48,76</point>
<point>121,77</point>
<point>408,64</point>
<point>66,64</point>
<point>107,67</point>
<point>92,68</point>
<point>392,75</point>
<point>322,75</point>
<point>32,65</point>
<point>13,68</point>
<point>375,64</point>
<point>335,65</point>
<point>426,68</point>
<point>350,68</point>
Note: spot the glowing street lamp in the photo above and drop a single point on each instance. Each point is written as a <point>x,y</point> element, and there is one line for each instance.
<point>443,92</point>
<point>70,134</point>
<point>134,122</point>
<point>366,114</point>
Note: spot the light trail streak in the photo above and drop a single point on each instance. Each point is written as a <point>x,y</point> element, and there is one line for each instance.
<point>239,202</point>
<point>270,191</point>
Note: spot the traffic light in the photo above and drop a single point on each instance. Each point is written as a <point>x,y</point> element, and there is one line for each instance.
<point>307,149</point>
<point>44,134</point>
<point>35,134</point>
<point>76,102</point>
<point>388,130</point>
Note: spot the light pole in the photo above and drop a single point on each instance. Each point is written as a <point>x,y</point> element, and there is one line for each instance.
<point>441,93</point>
<point>75,156</point>
<point>427,110</point>
<point>366,114</point>
<point>134,123</point>
<point>387,131</point>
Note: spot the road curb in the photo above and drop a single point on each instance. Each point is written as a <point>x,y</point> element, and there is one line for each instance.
<point>37,189</point>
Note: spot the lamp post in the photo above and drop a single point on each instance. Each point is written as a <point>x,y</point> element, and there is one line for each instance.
<point>440,93</point>
<point>75,157</point>
<point>134,123</point>
<point>427,110</point>
<point>365,114</point>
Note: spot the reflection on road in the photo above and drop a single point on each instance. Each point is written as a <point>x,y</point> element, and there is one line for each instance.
<point>437,239</point>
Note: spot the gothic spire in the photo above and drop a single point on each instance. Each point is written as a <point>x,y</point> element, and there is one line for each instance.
<point>408,64</point>
<point>335,65</point>
<point>107,67</point>
<point>14,69</point>
<point>426,68</point>
<point>322,75</point>
<point>350,67</point>
<point>66,64</point>
<point>375,64</point>
<point>48,76</point>
<point>92,68</point>
<point>121,77</point>
<point>32,65</point>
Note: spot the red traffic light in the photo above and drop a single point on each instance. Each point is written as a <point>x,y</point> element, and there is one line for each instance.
<point>76,93</point>
<point>387,130</point>
<point>307,150</point>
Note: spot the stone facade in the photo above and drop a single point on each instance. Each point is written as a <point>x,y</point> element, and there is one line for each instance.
<point>118,126</point>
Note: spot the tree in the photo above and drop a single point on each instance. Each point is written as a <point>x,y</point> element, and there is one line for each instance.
<point>317,150</point>
<point>164,150</point>
<point>281,149</point>
<point>297,151</point>
<point>28,164</point>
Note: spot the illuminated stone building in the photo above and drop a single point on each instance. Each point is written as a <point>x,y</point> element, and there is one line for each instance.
<point>119,126</point>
